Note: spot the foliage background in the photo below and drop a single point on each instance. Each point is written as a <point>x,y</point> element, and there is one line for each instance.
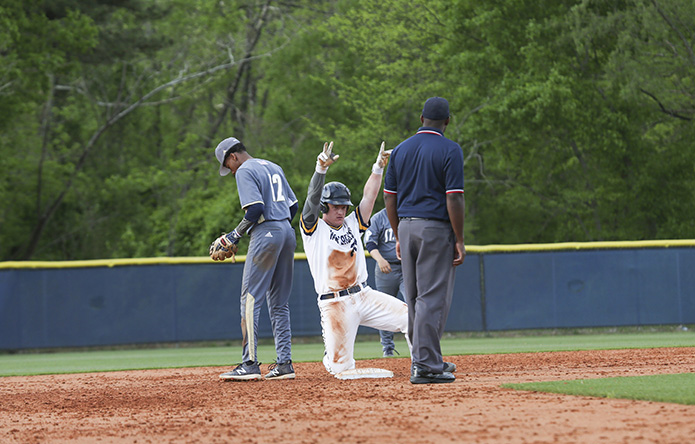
<point>575,117</point>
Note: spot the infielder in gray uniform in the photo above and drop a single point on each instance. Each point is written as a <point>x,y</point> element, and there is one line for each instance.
<point>270,205</point>
<point>388,275</point>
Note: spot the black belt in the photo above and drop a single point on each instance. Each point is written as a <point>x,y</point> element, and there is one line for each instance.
<point>336,294</point>
<point>418,218</point>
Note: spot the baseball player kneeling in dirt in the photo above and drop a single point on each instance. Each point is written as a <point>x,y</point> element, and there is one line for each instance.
<point>338,265</point>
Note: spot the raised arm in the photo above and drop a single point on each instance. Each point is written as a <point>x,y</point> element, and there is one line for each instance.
<point>373,184</point>
<point>312,205</point>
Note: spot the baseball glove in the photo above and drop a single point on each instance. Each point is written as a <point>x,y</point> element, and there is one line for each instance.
<point>222,249</point>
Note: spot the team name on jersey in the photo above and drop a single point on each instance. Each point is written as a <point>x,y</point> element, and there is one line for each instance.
<point>344,239</point>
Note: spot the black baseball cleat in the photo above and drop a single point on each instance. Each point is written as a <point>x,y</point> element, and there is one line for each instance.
<point>449,367</point>
<point>243,372</point>
<point>421,376</point>
<point>280,370</point>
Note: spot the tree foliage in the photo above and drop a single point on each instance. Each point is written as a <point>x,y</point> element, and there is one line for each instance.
<point>575,117</point>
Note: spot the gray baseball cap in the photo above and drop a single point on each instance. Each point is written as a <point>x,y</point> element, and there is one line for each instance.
<point>221,152</point>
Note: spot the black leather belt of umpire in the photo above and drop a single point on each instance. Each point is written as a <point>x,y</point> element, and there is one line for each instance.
<point>336,294</point>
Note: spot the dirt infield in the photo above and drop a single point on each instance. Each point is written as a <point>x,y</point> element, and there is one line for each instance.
<point>192,406</point>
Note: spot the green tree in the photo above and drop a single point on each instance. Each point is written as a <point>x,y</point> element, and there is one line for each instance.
<point>575,117</point>
<point>113,163</point>
<point>565,155</point>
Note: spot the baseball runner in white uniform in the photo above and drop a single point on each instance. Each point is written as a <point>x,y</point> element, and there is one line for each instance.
<point>338,265</point>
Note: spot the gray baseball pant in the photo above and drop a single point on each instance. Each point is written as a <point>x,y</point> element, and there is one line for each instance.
<point>268,274</point>
<point>389,283</point>
<point>427,254</point>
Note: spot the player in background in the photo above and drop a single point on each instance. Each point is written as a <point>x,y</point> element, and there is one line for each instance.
<point>338,265</point>
<point>270,205</point>
<point>381,245</point>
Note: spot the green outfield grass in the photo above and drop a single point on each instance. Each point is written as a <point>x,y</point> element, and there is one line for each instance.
<point>367,347</point>
<point>678,388</point>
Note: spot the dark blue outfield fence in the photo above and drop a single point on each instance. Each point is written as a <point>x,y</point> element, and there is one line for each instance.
<point>504,287</point>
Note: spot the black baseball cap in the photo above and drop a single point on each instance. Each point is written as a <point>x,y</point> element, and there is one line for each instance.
<point>436,108</point>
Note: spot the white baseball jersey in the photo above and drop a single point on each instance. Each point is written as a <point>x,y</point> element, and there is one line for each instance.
<point>335,254</point>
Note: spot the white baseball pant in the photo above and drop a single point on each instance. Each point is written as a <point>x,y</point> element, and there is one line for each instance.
<point>342,316</point>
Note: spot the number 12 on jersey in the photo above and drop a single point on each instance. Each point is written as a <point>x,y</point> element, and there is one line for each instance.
<point>276,187</point>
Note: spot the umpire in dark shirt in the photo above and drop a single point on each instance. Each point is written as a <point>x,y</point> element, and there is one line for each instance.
<point>423,193</point>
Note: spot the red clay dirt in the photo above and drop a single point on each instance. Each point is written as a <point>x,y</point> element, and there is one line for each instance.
<point>192,406</point>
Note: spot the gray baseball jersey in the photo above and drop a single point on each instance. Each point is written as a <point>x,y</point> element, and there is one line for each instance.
<point>262,181</point>
<point>379,235</point>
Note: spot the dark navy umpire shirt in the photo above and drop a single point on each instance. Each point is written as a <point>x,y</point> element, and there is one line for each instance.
<point>422,170</point>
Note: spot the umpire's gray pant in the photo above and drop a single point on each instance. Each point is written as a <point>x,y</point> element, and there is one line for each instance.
<point>427,255</point>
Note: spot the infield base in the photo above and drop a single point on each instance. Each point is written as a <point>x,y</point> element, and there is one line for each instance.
<point>359,373</point>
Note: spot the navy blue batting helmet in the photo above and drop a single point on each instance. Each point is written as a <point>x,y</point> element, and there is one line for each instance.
<point>334,193</point>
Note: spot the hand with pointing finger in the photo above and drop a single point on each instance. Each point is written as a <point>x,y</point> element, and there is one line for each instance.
<point>383,157</point>
<point>325,158</point>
